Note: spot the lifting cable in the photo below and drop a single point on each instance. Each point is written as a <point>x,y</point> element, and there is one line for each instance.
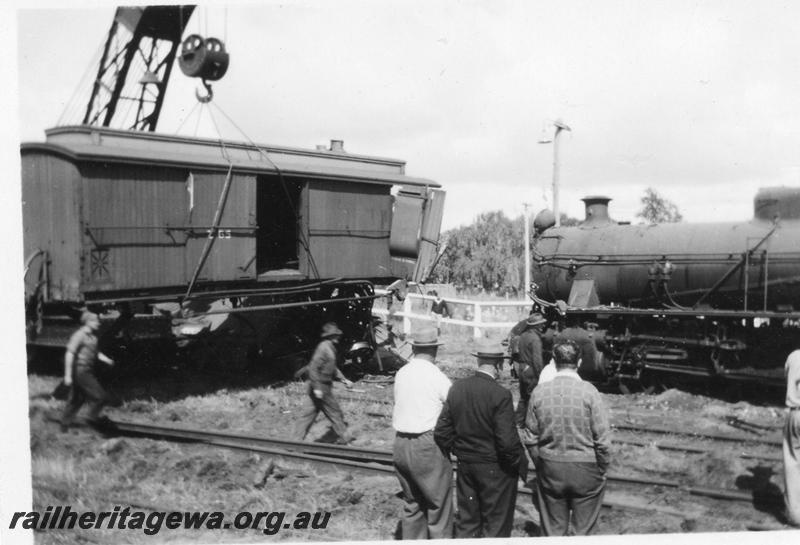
<point>213,231</point>
<point>301,235</point>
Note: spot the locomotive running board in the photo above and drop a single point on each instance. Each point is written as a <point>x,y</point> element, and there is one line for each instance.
<point>686,370</point>
<point>727,375</point>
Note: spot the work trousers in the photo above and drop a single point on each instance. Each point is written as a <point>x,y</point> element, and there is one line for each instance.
<point>565,488</point>
<point>528,379</point>
<point>426,477</point>
<point>791,466</point>
<point>85,387</point>
<point>329,407</point>
<point>487,496</point>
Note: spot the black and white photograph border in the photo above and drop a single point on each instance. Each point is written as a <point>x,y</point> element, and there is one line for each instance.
<point>699,100</point>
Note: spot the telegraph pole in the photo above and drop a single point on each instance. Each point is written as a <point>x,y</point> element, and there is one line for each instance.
<point>560,126</point>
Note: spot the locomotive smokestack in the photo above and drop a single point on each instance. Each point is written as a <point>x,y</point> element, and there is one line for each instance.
<point>596,210</point>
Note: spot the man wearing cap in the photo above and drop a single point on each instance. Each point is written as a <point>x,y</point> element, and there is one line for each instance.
<point>477,425</point>
<point>592,368</point>
<point>322,371</point>
<point>791,440</point>
<point>424,471</point>
<point>80,362</point>
<point>569,441</point>
<point>531,362</point>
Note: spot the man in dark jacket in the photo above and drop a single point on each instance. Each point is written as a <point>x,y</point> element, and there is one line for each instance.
<point>322,371</point>
<point>592,368</point>
<point>477,425</point>
<point>531,362</point>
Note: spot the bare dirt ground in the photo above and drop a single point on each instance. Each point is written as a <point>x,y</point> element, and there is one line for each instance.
<point>88,471</point>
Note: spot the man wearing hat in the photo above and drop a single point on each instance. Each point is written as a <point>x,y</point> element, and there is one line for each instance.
<point>477,425</point>
<point>530,363</point>
<point>424,471</point>
<point>80,361</point>
<point>322,371</point>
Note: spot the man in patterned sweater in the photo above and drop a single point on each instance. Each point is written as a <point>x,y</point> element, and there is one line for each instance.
<point>569,445</point>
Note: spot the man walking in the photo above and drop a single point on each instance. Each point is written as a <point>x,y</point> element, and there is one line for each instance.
<point>531,362</point>
<point>322,371</point>
<point>439,309</point>
<point>477,425</point>
<point>569,442</point>
<point>80,363</point>
<point>424,471</point>
<point>791,440</point>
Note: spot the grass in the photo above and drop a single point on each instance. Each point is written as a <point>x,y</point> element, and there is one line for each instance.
<point>84,469</point>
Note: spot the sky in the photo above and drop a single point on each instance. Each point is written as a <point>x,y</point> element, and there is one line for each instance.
<point>699,100</point>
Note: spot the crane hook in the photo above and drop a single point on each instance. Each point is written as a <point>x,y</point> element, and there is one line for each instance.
<point>207,98</point>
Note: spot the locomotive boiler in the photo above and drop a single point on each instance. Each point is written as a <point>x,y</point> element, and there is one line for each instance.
<point>715,300</point>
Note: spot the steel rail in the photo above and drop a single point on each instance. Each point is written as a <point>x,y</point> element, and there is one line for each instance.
<point>694,449</point>
<point>367,459</point>
<point>247,442</point>
<point>632,427</point>
<point>714,436</point>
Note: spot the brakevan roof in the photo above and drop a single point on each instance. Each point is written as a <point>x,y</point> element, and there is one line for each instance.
<point>84,143</point>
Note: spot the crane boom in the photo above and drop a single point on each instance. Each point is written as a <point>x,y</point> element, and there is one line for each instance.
<point>135,67</point>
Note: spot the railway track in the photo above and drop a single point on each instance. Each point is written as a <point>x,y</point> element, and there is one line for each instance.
<point>760,447</point>
<point>345,455</point>
<point>665,430</point>
<point>634,433</point>
<point>380,460</point>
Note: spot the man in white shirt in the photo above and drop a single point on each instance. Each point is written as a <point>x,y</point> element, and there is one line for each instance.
<point>791,439</point>
<point>549,372</point>
<point>424,471</point>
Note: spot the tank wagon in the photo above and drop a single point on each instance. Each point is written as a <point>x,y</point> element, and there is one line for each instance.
<point>177,239</point>
<point>719,300</point>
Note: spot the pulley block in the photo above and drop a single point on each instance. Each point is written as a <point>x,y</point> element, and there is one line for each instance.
<point>204,58</point>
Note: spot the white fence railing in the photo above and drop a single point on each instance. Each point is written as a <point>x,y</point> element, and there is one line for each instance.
<point>498,314</point>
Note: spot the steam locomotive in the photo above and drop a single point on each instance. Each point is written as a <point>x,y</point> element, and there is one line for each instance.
<point>718,301</point>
